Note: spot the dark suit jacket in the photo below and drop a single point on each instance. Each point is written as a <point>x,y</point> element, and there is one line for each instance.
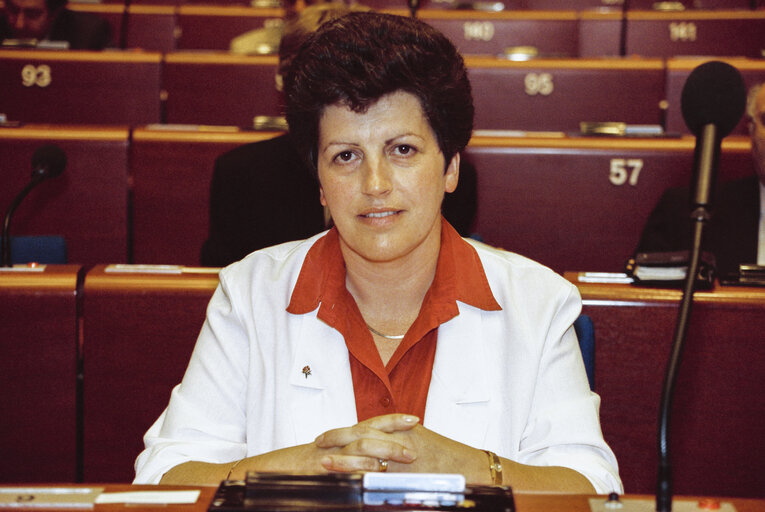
<point>262,194</point>
<point>82,30</point>
<point>731,234</point>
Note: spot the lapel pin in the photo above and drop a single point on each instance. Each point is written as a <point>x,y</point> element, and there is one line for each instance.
<point>306,371</point>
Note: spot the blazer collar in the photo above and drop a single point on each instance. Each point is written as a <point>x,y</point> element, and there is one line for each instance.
<point>458,398</point>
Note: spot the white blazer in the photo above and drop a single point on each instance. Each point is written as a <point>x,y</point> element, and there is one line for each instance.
<point>260,379</point>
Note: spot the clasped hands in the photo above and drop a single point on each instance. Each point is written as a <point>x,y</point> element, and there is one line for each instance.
<point>398,439</point>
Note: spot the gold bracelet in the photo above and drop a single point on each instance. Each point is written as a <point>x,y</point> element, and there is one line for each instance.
<point>495,466</point>
<point>228,477</point>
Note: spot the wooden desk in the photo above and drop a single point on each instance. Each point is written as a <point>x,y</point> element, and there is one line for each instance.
<point>752,71</point>
<point>80,87</point>
<point>552,33</point>
<point>717,427</point>
<point>219,88</point>
<point>538,196</point>
<point>138,333</point>
<point>151,27</point>
<point>558,94</point>
<point>38,329</point>
<point>730,32</point>
<point>580,202</point>
<point>524,502</point>
<point>600,33</point>
<point>206,494</point>
<point>87,204</point>
<point>713,32</point>
<point>212,27</point>
<point>171,190</point>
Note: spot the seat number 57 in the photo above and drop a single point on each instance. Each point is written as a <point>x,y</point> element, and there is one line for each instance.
<point>625,171</point>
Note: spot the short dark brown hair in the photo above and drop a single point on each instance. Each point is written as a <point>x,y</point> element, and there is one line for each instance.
<point>361,57</point>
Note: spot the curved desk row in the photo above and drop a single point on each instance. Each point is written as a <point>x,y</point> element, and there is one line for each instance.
<point>136,88</point>
<point>558,28</point>
<point>141,195</point>
<point>96,354</point>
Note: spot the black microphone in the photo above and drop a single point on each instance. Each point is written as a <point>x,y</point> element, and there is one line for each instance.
<point>713,100</point>
<point>48,161</point>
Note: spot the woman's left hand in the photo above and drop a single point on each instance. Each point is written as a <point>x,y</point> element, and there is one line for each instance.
<point>406,446</point>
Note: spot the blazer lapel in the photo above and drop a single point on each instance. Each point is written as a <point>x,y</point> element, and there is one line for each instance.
<point>321,388</point>
<point>458,398</point>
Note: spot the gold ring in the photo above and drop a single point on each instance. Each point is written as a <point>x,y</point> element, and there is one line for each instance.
<point>383,465</point>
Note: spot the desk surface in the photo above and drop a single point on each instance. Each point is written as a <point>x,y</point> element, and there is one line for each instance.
<point>524,502</point>
<point>626,292</point>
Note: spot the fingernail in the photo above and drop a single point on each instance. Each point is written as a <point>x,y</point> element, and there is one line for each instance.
<point>411,419</point>
<point>409,454</point>
<point>319,439</point>
<point>326,461</point>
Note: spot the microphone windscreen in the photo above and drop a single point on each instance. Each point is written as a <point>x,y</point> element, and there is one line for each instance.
<point>714,93</point>
<point>48,161</point>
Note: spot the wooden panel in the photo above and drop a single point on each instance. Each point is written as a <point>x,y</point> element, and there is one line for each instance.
<point>551,94</point>
<point>752,71</point>
<point>570,203</point>
<point>722,33</point>
<point>87,204</point>
<point>600,34</point>
<point>138,334</point>
<point>213,27</point>
<point>39,354</point>
<point>718,404</point>
<point>553,33</point>
<point>524,502</point>
<point>219,88</point>
<point>151,27</point>
<point>80,87</point>
<point>171,190</point>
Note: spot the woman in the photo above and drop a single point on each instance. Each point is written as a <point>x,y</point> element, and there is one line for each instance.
<point>388,343</point>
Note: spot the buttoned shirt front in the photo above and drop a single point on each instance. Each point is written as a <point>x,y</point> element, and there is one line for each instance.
<point>401,385</point>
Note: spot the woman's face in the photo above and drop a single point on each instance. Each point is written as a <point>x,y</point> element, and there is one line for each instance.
<point>382,177</point>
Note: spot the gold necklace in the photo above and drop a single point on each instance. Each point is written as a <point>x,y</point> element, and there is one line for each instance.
<point>398,337</point>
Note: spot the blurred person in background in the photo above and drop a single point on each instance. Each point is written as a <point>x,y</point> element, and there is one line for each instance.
<point>35,21</point>
<point>736,231</point>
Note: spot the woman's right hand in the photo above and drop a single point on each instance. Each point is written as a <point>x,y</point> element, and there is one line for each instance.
<point>358,448</point>
<point>364,445</point>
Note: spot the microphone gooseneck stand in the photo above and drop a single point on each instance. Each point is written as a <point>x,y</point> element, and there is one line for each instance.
<point>48,162</point>
<point>6,242</point>
<point>700,216</point>
<point>414,6</point>
<point>664,478</point>
<point>623,29</point>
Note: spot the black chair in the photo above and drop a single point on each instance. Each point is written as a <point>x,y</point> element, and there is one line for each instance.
<point>585,331</point>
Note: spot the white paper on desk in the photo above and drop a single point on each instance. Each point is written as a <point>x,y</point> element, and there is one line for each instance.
<point>150,497</point>
<point>48,497</point>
